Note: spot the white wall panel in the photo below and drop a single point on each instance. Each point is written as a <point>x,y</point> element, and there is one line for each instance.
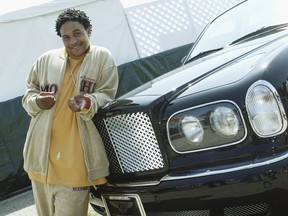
<point>165,24</point>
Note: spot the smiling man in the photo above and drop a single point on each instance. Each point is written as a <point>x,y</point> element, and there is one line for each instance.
<point>63,152</point>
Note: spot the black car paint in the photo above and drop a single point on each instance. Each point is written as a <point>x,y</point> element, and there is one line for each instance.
<point>215,192</point>
<point>165,107</point>
<point>185,182</point>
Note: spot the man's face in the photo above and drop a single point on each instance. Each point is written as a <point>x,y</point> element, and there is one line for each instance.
<point>75,38</point>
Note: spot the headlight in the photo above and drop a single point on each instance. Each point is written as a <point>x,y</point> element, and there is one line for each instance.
<point>224,121</point>
<point>208,126</point>
<point>265,110</point>
<point>192,129</point>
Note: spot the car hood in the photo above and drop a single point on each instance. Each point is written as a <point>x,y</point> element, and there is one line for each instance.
<point>209,71</point>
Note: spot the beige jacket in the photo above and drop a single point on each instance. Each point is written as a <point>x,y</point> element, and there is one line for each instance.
<point>98,75</point>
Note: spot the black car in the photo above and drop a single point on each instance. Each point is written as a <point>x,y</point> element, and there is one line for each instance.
<point>210,137</point>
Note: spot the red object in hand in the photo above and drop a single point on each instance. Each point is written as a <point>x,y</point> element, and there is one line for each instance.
<point>79,102</point>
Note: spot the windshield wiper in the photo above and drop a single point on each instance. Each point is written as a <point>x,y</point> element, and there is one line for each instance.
<point>260,33</point>
<point>202,54</point>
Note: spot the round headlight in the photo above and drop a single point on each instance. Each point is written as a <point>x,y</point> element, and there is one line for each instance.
<point>192,129</point>
<point>224,121</point>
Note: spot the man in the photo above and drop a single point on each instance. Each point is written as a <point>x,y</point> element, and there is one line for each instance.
<point>63,152</point>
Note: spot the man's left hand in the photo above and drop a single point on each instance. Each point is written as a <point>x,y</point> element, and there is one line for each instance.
<point>77,103</point>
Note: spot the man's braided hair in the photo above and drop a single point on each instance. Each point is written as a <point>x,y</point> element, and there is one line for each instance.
<point>72,15</point>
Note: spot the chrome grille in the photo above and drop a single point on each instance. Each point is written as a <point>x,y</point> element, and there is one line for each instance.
<point>131,143</point>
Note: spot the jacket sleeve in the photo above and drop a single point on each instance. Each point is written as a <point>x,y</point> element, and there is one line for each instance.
<point>33,90</point>
<point>106,88</point>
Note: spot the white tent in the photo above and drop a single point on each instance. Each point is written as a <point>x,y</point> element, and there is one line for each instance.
<point>28,32</point>
<point>128,29</point>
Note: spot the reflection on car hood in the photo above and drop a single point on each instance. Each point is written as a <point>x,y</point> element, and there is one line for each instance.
<point>204,69</point>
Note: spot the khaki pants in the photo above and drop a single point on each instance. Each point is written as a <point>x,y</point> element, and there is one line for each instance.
<point>55,200</point>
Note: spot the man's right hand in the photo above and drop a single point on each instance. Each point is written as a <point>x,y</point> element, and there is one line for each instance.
<point>46,100</point>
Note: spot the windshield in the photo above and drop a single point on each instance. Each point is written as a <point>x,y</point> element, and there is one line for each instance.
<point>248,17</point>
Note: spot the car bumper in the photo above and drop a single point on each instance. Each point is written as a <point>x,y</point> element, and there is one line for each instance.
<point>256,191</point>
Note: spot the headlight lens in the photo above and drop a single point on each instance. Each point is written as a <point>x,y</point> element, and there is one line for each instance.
<point>205,127</point>
<point>224,121</point>
<point>265,110</point>
<point>192,129</point>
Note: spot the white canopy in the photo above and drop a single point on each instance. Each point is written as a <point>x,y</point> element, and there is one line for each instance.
<point>129,30</point>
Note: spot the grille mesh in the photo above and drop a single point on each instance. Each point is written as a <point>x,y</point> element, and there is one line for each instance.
<point>261,209</point>
<point>182,213</point>
<point>131,143</point>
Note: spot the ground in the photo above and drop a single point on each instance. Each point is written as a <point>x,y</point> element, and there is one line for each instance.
<point>23,205</point>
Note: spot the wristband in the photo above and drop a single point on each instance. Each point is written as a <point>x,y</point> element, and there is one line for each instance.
<point>88,102</point>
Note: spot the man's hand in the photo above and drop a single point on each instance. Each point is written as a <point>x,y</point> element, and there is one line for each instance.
<point>77,103</point>
<point>46,100</point>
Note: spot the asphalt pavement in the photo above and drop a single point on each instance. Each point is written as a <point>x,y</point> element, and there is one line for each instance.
<point>23,205</point>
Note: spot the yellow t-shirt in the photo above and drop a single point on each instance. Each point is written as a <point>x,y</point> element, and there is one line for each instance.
<point>66,160</point>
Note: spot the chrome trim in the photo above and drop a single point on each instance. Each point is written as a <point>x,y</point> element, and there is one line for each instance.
<point>137,184</point>
<point>123,197</point>
<point>279,103</point>
<point>217,172</point>
<point>207,173</point>
<point>209,148</point>
<point>96,201</point>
